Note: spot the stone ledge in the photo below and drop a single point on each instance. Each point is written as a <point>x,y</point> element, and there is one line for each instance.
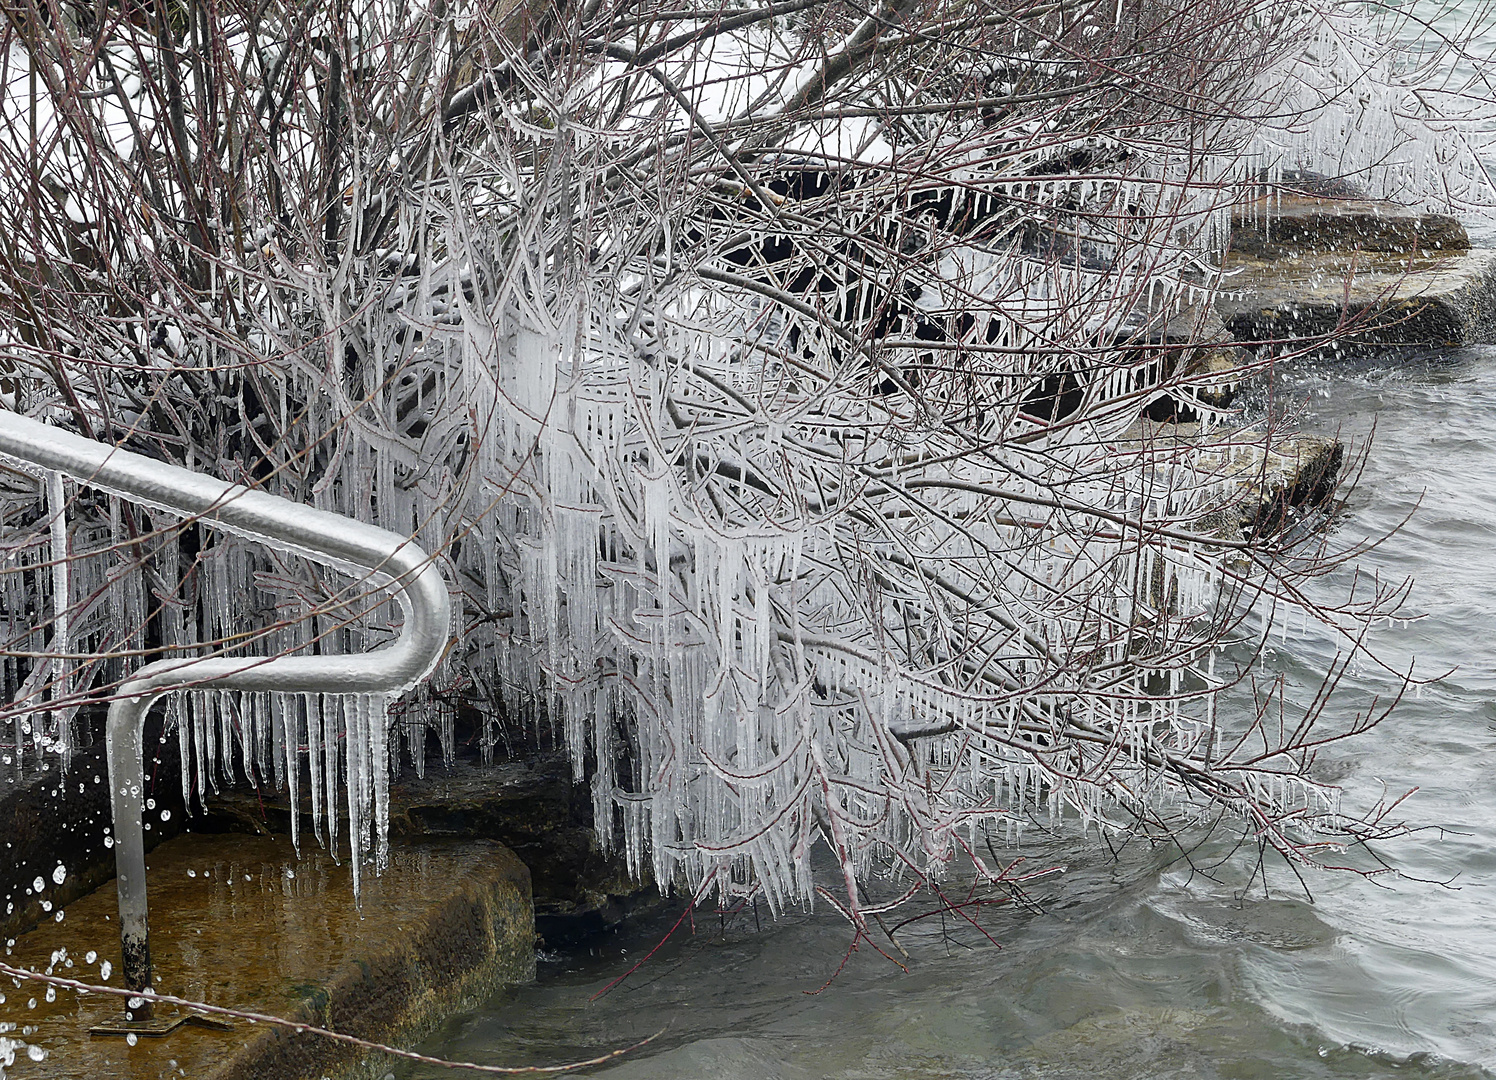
<point>239,921</point>
<point>1362,299</point>
<point>1292,223</point>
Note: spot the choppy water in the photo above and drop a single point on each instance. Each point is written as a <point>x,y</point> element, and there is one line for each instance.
<point>1133,968</point>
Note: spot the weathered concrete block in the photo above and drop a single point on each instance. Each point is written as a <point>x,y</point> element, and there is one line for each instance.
<point>1359,298</point>
<point>1282,226</point>
<point>238,921</point>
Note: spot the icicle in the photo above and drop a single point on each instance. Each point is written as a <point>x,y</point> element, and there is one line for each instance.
<point>380,765</point>
<point>291,742</point>
<point>246,740</point>
<point>200,746</point>
<point>277,740</point>
<point>330,733</point>
<point>356,745</point>
<point>314,761</point>
<point>415,732</point>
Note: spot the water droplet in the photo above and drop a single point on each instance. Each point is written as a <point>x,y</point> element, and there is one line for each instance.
<point>59,875</point>
<point>192,873</point>
<point>90,956</point>
<point>35,1053</point>
<point>51,993</point>
<point>130,1039</point>
<point>166,815</point>
<point>38,885</point>
<point>105,969</point>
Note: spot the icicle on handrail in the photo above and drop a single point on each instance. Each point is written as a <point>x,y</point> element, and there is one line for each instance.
<point>382,558</point>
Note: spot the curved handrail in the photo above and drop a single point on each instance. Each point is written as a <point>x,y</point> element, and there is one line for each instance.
<point>392,560</point>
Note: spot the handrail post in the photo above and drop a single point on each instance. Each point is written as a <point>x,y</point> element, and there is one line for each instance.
<point>125,753</point>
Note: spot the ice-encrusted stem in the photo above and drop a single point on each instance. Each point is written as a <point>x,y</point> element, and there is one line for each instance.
<point>383,558</point>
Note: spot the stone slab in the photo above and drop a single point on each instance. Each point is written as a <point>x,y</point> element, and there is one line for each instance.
<point>239,921</point>
<point>1362,299</point>
<point>1289,223</point>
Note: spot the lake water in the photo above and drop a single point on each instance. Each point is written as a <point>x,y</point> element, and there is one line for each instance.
<point>1133,968</point>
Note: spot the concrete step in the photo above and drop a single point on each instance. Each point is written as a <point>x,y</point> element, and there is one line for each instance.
<point>1286,224</point>
<point>1362,298</point>
<point>239,921</point>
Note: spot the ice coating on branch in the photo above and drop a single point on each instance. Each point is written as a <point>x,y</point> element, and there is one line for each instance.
<point>797,479</point>
<point>1367,95</point>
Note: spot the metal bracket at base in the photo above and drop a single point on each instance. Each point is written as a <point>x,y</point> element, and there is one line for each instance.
<point>158,1027</point>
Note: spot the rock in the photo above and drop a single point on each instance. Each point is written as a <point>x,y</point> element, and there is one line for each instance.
<point>1193,350</point>
<point>1274,487</point>
<point>1353,272</point>
<point>1286,224</point>
<point>1361,299</point>
<point>1214,372</point>
<point>1267,489</point>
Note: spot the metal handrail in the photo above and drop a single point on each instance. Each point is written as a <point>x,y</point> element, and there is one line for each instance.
<point>391,560</point>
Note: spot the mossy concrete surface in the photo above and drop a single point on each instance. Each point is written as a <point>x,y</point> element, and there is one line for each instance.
<point>532,805</point>
<point>240,921</point>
